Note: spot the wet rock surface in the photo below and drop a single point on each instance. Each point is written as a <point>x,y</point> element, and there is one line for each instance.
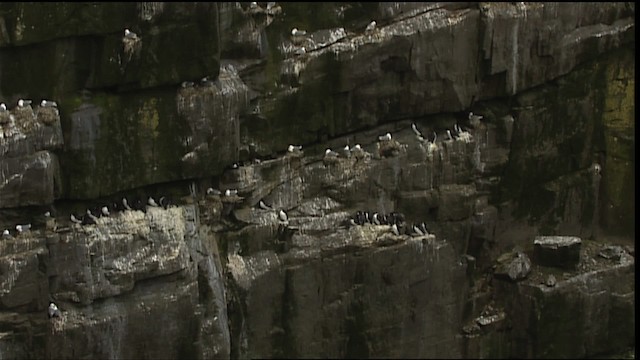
<point>253,250</point>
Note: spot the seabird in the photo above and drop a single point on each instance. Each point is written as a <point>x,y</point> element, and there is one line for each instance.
<point>3,107</point>
<point>253,5</point>
<point>415,130</point>
<point>300,51</point>
<point>90,218</point>
<point>423,227</point>
<point>212,191</point>
<point>282,216</point>
<point>330,154</point>
<point>230,192</point>
<point>352,222</point>
<point>152,202</point>
<point>46,103</point>
<point>125,204</point>
<point>347,151</point>
<point>385,137</point>
<point>475,119</point>
<point>186,84</point>
<point>234,166</point>
<point>6,233</point>
<point>264,206</point>
<point>376,220</point>
<point>130,34</point>
<point>394,229</point>
<point>597,168</point>
<point>75,220</point>
<point>206,82</point>
<point>294,148</point>
<point>47,214</point>
<point>359,218</point>
<point>53,310</point>
<point>23,103</point>
<point>449,134</point>
<point>370,27</point>
<point>296,32</point>
<point>417,230</point>
<point>105,211</point>
<point>163,202</point>
<point>21,228</point>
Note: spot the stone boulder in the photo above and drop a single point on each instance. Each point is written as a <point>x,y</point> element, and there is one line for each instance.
<point>557,251</point>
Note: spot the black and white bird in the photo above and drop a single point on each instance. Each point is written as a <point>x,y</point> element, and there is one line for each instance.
<point>21,228</point>
<point>371,27</point>
<point>417,230</point>
<point>163,202</point>
<point>449,136</point>
<point>296,32</point>
<point>23,103</point>
<point>282,216</point>
<point>187,84</point>
<point>385,137</point>
<point>300,51</point>
<point>376,219</point>
<point>47,103</point>
<point>415,130</point>
<point>152,202</point>
<point>128,34</point>
<point>328,153</point>
<point>475,119</point>
<point>212,191</point>
<point>230,192</point>
<point>6,234</point>
<point>104,210</point>
<point>89,218</point>
<point>264,206</point>
<point>394,230</point>
<point>125,204</point>
<point>205,81</point>
<point>47,214</point>
<point>346,151</point>
<point>53,310</point>
<point>357,151</point>
<point>75,220</point>
<point>3,107</point>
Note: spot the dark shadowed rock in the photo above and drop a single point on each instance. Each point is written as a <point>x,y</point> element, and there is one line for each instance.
<point>557,251</point>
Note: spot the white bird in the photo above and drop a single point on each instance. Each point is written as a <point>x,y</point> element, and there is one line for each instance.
<point>385,137</point>
<point>47,214</point>
<point>234,166</point>
<point>282,216</point>
<point>212,191</point>
<point>376,219</point>
<point>300,51</point>
<point>294,148</point>
<point>253,5</point>
<point>152,202</point>
<point>21,228</point>
<point>597,168</point>
<point>3,107</point>
<point>53,310</point>
<point>23,103</point>
<point>296,32</point>
<point>417,230</point>
<point>449,134</point>
<point>394,229</point>
<point>6,233</point>
<point>187,84</point>
<point>330,154</point>
<point>415,130</point>
<point>105,211</point>
<point>264,206</point>
<point>125,203</point>
<point>46,103</point>
<point>75,220</point>
<point>475,119</point>
<point>230,192</point>
<point>91,216</point>
<point>347,151</point>
<point>370,27</point>
<point>128,34</point>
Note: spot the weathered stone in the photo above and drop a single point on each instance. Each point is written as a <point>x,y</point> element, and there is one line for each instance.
<point>29,180</point>
<point>611,252</point>
<point>514,266</point>
<point>557,251</point>
<point>456,202</point>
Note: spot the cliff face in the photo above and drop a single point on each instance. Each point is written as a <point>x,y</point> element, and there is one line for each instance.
<point>217,276</point>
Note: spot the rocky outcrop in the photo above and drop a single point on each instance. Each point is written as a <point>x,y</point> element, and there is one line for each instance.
<point>257,253</point>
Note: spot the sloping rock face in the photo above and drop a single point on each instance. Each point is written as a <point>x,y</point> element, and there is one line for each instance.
<point>418,245</point>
